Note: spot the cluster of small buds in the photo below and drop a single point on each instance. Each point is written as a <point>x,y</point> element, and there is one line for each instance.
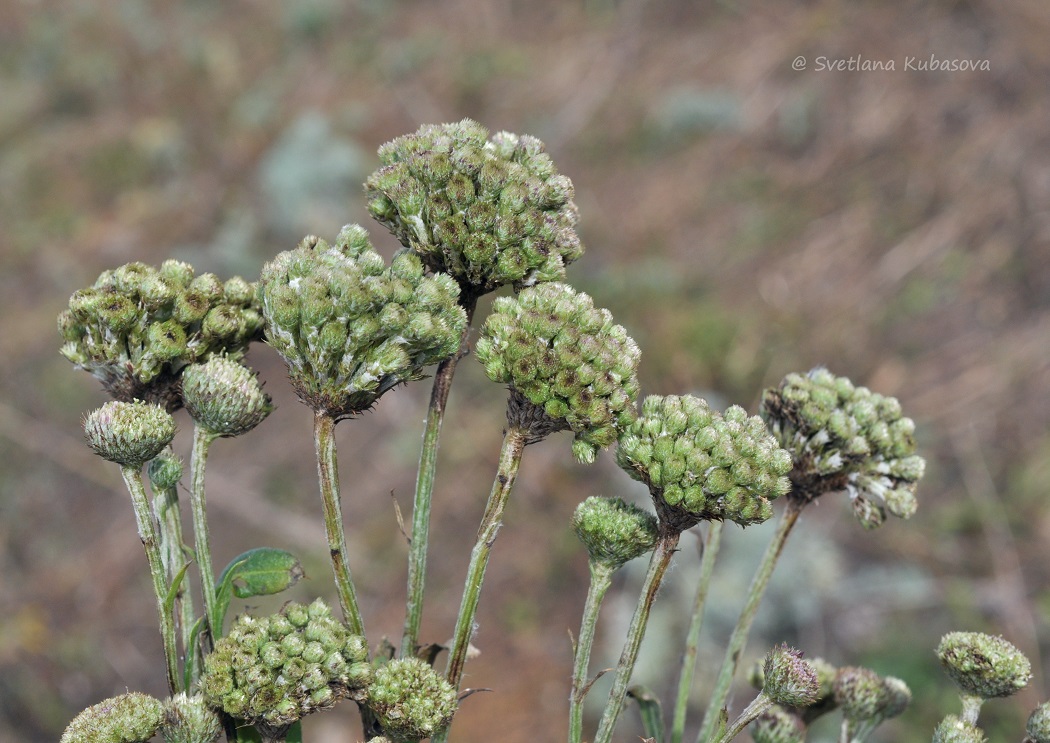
<point>224,397</point>
<point>984,666</point>
<point>1037,728</point>
<point>128,718</point>
<point>274,670</point>
<point>137,327</point>
<point>189,719</point>
<point>868,699</point>
<point>700,465</point>
<point>565,357</point>
<point>844,437</point>
<point>487,211</point>
<point>954,729</point>
<point>350,327</point>
<point>614,531</point>
<point>411,700</point>
<point>788,680</point>
<point>129,433</point>
<point>778,725</point>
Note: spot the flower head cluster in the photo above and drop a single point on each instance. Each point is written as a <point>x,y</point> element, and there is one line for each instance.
<point>983,665</point>
<point>411,700</point>
<point>613,531</point>
<point>565,357</point>
<point>276,669</point>
<point>350,327</point>
<point>128,718</point>
<point>487,211</point>
<point>844,437</point>
<point>224,397</point>
<point>129,433</point>
<point>701,465</point>
<point>137,327</point>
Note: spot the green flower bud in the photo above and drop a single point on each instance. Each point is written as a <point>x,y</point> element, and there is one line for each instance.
<point>868,699</point>
<point>465,203</point>
<point>410,699</point>
<point>544,371</point>
<point>789,680</point>
<point>350,328</point>
<point>165,470</point>
<point>953,729</point>
<point>128,718</point>
<point>777,725</point>
<point>613,531</point>
<point>129,433</point>
<point>1038,726</point>
<point>843,437</point>
<point>983,665</point>
<point>224,397</point>
<point>190,720</point>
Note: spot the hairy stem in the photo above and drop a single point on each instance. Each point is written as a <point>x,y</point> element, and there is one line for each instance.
<point>173,552</point>
<point>738,639</point>
<point>692,643</point>
<point>418,546</point>
<point>758,705</point>
<point>328,475</point>
<point>601,579</point>
<point>658,562</point>
<point>202,440</point>
<point>150,542</point>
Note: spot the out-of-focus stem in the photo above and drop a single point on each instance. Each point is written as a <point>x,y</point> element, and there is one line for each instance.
<point>738,639</point>
<point>601,579</point>
<point>202,440</point>
<point>692,643</point>
<point>328,475</point>
<point>150,542</point>
<point>658,562</point>
<point>417,553</point>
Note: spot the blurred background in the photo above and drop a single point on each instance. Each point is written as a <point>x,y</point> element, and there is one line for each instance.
<point>746,214</point>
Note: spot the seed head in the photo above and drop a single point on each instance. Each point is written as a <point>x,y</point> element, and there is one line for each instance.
<point>983,665</point>
<point>224,397</point>
<point>613,531</point>
<point>411,700</point>
<point>129,433</point>
<point>128,718</point>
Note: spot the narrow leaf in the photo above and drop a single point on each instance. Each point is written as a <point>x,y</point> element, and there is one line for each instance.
<point>651,713</point>
<point>173,589</point>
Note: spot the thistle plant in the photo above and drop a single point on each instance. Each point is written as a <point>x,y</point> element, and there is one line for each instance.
<point>474,213</point>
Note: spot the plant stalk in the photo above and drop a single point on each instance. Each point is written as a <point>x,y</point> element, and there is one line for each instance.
<point>150,543</point>
<point>173,551</point>
<point>601,579</point>
<point>658,562</point>
<point>738,639</point>
<point>692,644</point>
<point>202,440</point>
<point>758,705</point>
<point>328,476</point>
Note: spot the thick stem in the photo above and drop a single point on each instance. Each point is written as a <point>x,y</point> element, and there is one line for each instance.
<point>601,579</point>
<point>173,551</point>
<point>328,476</point>
<point>658,562</point>
<point>692,643</point>
<point>509,461</point>
<point>417,552</point>
<point>202,440</point>
<point>747,616</point>
<point>150,542</point>
<point>758,705</point>
<point>971,708</point>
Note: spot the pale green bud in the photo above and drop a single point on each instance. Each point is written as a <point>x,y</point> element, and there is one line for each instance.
<point>788,679</point>
<point>1038,726</point>
<point>129,433</point>
<point>128,718</point>
<point>165,470</point>
<point>613,531</point>
<point>188,719</point>
<point>983,665</point>
<point>953,729</point>
<point>777,725</point>
<point>224,397</point>
<point>410,699</point>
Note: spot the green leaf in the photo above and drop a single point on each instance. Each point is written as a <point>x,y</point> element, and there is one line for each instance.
<point>173,589</point>
<point>192,669</point>
<point>651,713</point>
<point>262,571</point>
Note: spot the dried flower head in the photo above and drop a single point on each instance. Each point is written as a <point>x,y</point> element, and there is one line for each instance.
<point>138,326</point>
<point>614,531</point>
<point>701,465</point>
<point>844,437</point>
<point>350,327</point>
<point>411,700</point>
<point>129,433</point>
<point>274,670</point>
<point>128,718</point>
<point>488,211</point>
<point>565,357</point>
<point>224,397</point>
<point>983,665</point>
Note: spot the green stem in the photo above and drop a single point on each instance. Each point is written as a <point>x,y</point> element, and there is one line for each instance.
<point>150,542</point>
<point>601,579</point>
<point>658,562</point>
<point>738,639</point>
<point>328,475</point>
<point>173,551</point>
<point>417,552</point>
<point>758,705</point>
<point>692,644</point>
<point>971,708</point>
<point>202,440</point>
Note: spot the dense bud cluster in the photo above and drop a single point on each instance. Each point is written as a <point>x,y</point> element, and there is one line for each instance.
<point>844,437</point>
<point>613,531</point>
<point>778,725</point>
<point>487,211</point>
<point>350,327</point>
<point>128,718</point>
<point>565,357</point>
<point>189,719</point>
<point>983,665</point>
<point>411,700</point>
<point>129,433</point>
<point>701,465</point>
<point>788,679</point>
<point>224,397</point>
<point>137,327</point>
<point>868,698</point>
<point>276,669</point>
